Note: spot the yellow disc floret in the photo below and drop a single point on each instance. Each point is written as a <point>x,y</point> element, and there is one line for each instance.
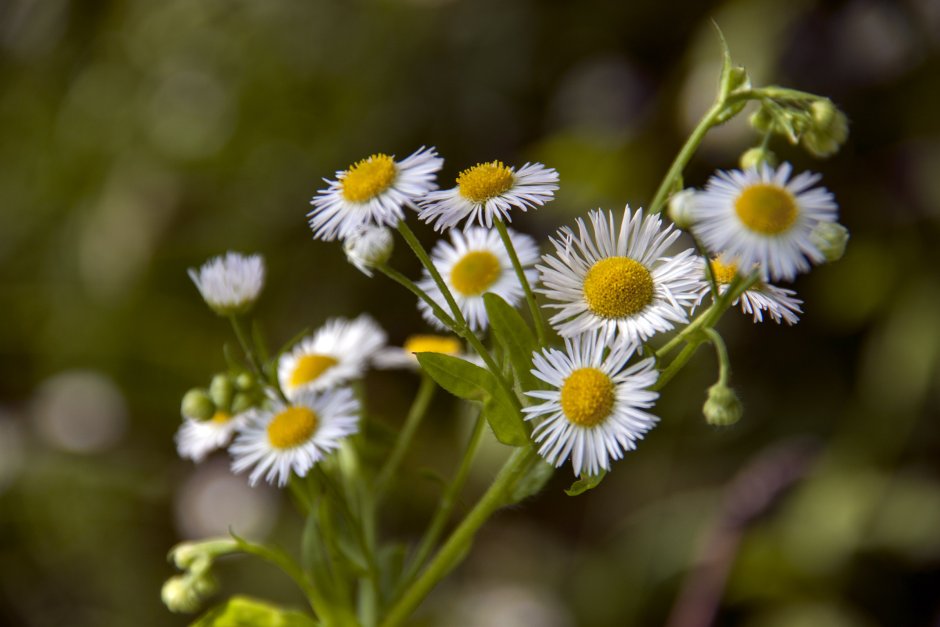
<point>475,272</point>
<point>587,397</point>
<point>618,287</point>
<point>485,181</point>
<point>724,273</point>
<point>368,178</point>
<point>221,417</point>
<point>292,427</point>
<point>432,344</point>
<point>767,209</point>
<point>310,367</point>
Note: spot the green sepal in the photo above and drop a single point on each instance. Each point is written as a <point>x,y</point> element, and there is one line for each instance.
<point>240,611</point>
<point>473,383</point>
<point>533,481</point>
<point>584,484</point>
<point>515,336</point>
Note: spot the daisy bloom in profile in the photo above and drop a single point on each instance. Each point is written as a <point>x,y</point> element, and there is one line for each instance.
<point>779,303</point>
<point>195,439</point>
<point>339,351</point>
<point>472,263</point>
<point>230,284</point>
<point>368,247</point>
<point>488,191</point>
<point>372,191</point>
<point>619,280</point>
<point>763,217</point>
<point>292,438</point>
<point>594,409</point>
<point>404,356</point>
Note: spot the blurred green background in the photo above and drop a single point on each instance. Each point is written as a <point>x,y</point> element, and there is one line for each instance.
<point>138,138</point>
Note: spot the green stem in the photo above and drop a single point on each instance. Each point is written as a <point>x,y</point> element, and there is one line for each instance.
<point>279,558</point>
<point>412,287</point>
<point>724,363</point>
<point>415,415</point>
<point>425,260</point>
<point>445,506</point>
<point>682,159</point>
<point>459,541</point>
<point>676,365</point>
<point>520,273</point>
<point>246,347</point>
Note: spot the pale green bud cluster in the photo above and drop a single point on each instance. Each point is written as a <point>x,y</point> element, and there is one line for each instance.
<point>756,157</point>
<point>831,239</point>
<point>723,407</point>
<point>227,393</point>
<point>186,592</point>
<point>817,125</point>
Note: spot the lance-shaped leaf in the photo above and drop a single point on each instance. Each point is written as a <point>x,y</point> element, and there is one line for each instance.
<point>516,338</point>
<point>584,484</point>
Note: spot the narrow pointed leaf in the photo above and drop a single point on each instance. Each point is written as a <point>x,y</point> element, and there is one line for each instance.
<point>515,336</point>
<point>584,484</point>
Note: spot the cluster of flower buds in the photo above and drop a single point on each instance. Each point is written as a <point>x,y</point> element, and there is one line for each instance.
<point>817,124</point>
<point>186,592</point>
<point>230,394</point>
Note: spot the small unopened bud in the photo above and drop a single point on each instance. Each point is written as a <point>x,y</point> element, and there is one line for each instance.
<point>723,406</point>
<point>221,390</point>
<point>368,247</point>
<point>762,121</point>
<point>830,129</point>
<point>198,556</point>
<point>738,79</point>
<point>831,239</point>
<point>185,593</point>
<point>755,157</point>
<point>244,381</point>
<point>197,405</point>
<point>242,403</point>
<point>680,208</point>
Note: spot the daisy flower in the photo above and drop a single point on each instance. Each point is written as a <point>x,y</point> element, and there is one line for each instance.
<point>372,191</point>
<point>404,356</point>
<point>230,284</point>
<point>195,439</point>
<point>472,263</point>
<point>593,411</point>
<point>339,351</point>
<point>779,303</point>
<point>292,438</point>
<point>487,191</point>
<point>619,281</point>
<point>368,247</point>
<point>763,217</point>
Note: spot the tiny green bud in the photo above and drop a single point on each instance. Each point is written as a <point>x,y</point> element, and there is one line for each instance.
<point>754,157</point>
<point>738,79</point>
<point>680,208</point>
<point>220,391</point>
<point>829,129</point>
<point>183,594</point>
<point>723,407</point>
<point>197,405</point>
<point>762,121</point>
<point>242,403</point>
<point>244,381</point>
<point>368,247</point>
<point>831,239</point>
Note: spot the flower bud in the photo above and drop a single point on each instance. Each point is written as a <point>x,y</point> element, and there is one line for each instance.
<point>368,247</point>
<point>197,405</point>
<point>723,407</point>
<point>680,208</point>
<point>221,390</point>
<point>831,239</point>
<point>230,284</point>
<point>244,382</point>
<point>242,403</point>
<point>754,157</point>
<point>762,121</point>
<point>829,130</point>
<point>185,593</point>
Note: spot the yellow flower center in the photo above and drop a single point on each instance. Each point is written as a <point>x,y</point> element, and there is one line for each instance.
<point>484,181</point>
<point>587,397</point>
<point>309,367</point>
<point>724,273</point>
<point>618,287</point>
<point>368,178</point>
<point>475,272</point>
<point>292,427</point>
<point>221,417</point>
<point>432,344</point>
<point>767,209</point>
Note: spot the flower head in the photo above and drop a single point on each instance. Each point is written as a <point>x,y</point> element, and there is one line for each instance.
<point>372,192</point>
<point>404,356</point>
<point>779,303</point>
<point>488,191</point>
<point>338,352</point>
<point>230,284</point>
<point>763,217</point>
<point>472,263</point>
<point>369,246</point>
<point>291,438</point>
<point>195,439</point>
<point>618,280</point>
<point>594,408</point>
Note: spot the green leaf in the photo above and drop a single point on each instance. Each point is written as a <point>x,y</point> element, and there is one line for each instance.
<point>473,383</point>
<point>724,79</point>
<point>584,484</point>
<point>242,611</point>
<point>515,336</point>
<point>534,480</point>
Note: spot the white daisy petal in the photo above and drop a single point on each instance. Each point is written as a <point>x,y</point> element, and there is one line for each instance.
<point>230,284</point>
<point>781,304</point>
<point>488,191</point>
<point>338,352</point>
<point>472,263</point>
<point>195,439</point>
<point>394,357</point>
<point>594,411</point>
<point>764,218</point>
<point>286,439</point>
<point>373,192</point>
<point>619,280</point>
